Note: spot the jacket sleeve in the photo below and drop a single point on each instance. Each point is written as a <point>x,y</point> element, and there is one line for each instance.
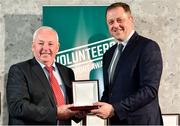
<point>19,102</point>
<point>150,70</point>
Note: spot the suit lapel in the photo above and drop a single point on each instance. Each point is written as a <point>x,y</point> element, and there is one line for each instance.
<point>109,57</point>
<point>127,50</point>
<point>63,74</point>
<point>42,77</point>
<point>106,63</point>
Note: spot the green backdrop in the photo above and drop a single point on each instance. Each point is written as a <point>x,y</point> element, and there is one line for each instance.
<point>84,38</point>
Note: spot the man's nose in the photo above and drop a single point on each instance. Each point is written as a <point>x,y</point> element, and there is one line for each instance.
<point>46,47</point>
<point>116,24</point>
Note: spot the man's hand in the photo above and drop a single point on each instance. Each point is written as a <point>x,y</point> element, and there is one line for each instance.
<point>104,111</point>
<point>63,112</point>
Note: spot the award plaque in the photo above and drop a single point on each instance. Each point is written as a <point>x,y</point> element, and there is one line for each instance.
<point>85,93</point>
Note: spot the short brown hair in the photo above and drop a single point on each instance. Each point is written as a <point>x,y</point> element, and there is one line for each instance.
<point>119,4</point>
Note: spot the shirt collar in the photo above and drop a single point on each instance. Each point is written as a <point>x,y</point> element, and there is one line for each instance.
<point>43,66</point>
<point>126,41</point>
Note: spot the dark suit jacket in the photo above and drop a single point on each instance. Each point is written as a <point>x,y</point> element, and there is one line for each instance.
<point>134,91</point>
<point>29,95</point>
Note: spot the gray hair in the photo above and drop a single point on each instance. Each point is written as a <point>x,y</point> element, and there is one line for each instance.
<point>44,27</point>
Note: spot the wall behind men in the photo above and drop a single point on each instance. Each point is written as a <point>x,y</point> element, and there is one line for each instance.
<point>156,19</point>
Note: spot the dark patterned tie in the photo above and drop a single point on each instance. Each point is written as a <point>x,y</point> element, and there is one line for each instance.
<point>58,95</point>
<point>114,62</point>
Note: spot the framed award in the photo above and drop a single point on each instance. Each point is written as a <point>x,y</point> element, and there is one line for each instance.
<point>85,93</point>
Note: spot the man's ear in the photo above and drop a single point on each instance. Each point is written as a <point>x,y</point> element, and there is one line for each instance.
<point>131,18</point>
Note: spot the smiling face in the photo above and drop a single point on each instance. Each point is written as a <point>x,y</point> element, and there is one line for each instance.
<point>120,23</point>
<point>45,46</point>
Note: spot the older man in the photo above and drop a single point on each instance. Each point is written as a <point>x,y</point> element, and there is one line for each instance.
<point>39,90</point>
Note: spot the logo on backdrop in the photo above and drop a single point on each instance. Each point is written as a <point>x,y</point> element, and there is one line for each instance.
<point>84,42</point>
<point>83,56</point>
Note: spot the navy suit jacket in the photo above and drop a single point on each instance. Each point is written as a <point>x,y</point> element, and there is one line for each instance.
<point>29,95</point>
<point>134,91</point>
